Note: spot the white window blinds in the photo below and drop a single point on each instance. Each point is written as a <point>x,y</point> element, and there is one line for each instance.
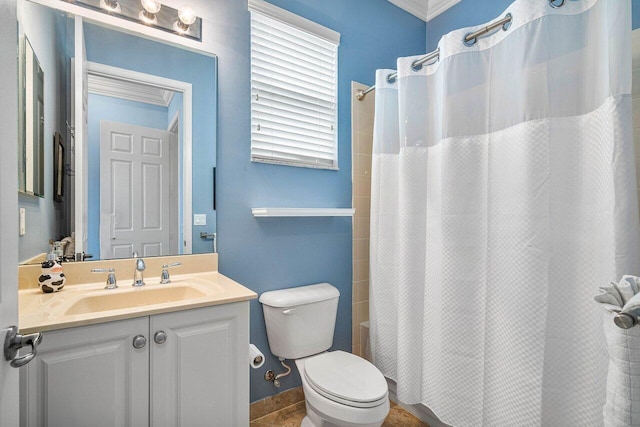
<point>293,89</point>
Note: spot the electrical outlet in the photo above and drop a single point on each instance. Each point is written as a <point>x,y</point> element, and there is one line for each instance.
<point>199,219</point>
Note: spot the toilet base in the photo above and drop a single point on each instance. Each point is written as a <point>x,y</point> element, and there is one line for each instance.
<point>313,419</point>
<point>306,422</point>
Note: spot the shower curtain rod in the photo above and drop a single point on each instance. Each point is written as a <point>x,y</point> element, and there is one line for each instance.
<point>416,65</point>
<point>469,40</point>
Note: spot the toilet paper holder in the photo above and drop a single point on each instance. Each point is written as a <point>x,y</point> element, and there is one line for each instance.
<point>256,358</point>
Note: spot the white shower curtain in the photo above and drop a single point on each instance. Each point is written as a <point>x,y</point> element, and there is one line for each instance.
<point>503,195</point>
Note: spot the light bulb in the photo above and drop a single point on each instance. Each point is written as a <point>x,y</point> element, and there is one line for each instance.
<point>150,8</point>
<point>110,5</point>
<point>186,17</point>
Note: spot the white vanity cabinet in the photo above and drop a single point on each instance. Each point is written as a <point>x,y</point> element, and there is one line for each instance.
<point>192,371</point>
<point>88,376</point>
<point>200,375</point>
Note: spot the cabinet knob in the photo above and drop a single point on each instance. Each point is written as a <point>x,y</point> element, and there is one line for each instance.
<point>160,337</point>
<point>139,341</point>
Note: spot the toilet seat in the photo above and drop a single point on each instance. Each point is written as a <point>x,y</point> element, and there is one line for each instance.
<point>347,379</point>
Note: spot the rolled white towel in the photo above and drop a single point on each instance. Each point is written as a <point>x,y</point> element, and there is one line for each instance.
<point>611,308</point>
<point>609,295</point>
<point>634,281</point>
<point>625,289</point>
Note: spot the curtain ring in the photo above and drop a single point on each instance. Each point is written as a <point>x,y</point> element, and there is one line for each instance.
<point>469,42</point>
<point>428,60</point>
<point>554,3</point>
<point>507,24</point>
<point>471,38</point>
<point>391,78</point>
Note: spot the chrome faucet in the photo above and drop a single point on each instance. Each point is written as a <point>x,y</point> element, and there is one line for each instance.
<point>138,274</point>
<point>164,277</point>
<point>111,279</point>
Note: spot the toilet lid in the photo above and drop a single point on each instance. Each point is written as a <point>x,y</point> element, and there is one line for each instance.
<point>346,378</point>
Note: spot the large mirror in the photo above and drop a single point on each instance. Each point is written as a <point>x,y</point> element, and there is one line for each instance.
<point>129,131</point>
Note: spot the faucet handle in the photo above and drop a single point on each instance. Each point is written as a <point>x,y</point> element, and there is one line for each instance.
<point>111,278</point>
<point>164,277</point>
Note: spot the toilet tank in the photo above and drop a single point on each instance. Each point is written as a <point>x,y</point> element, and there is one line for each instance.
<point>300,321</point>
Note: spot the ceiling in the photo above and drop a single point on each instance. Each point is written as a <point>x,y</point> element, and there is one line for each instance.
<point>425,9</point>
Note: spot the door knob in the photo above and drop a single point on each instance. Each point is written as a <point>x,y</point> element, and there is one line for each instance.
<point>14,341</point>
<point>160,337</point>
<point>139,341</point>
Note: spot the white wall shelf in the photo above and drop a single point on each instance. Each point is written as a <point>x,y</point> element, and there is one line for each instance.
<point>293,212</point>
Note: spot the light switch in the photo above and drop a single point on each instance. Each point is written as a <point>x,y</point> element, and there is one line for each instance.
<point>23,226</point>
<point>199,219</point>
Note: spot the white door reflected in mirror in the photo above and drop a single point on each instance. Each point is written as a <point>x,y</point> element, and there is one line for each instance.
<point>138,191</point>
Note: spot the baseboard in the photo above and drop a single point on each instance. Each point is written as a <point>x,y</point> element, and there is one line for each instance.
<point>276,403</point>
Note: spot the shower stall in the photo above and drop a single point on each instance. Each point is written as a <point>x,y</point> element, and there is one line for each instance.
<point>503,194</point>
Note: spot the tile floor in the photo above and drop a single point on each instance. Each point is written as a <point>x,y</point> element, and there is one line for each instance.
<point>292,416</point>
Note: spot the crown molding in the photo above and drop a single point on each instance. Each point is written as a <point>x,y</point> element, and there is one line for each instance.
<point>413,7</point>
<point>131,91</point>
<point>436,7</point>
<point>425,9</point>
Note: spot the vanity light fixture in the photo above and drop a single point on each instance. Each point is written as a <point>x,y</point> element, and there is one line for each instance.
<point>110,5</point>
<point>186,17</point>
<point>182,22</point>
<point>150,8</point>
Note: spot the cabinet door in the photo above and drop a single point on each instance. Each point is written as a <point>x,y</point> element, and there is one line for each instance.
<point>88,376</point>
<point>200,375</point>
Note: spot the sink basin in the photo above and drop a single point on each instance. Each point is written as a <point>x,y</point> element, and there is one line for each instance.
<point>116,300</point>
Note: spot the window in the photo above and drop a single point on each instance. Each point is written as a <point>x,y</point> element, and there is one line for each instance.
<point>294,68</point>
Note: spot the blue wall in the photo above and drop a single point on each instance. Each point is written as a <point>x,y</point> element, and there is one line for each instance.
<point>125,51</point>
<point>114,110</point>
<point>269,253</point>
<point>476,12</point>
<point>44,217</point>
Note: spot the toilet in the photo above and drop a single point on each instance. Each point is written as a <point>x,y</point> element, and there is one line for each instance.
<point>340,389</point>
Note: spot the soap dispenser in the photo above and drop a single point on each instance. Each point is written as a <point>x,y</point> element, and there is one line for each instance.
<point>51,276</point>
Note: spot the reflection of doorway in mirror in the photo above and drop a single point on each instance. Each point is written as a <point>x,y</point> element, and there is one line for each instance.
<point>128,97</point>
<point>135,191</point>
<point>635,95</point>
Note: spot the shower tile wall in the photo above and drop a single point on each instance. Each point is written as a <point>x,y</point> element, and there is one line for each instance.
<point>361,142</point>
